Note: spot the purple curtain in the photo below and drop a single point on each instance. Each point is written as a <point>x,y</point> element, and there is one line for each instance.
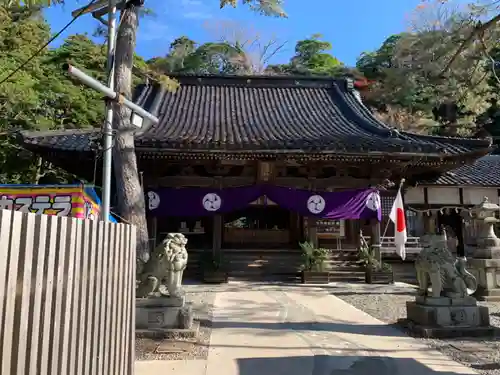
<point>353,204</point>
<point>200,201</point>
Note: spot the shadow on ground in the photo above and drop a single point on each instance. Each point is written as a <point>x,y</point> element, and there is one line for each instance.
<point>344,365</point>
<point>409,292</point>
<point>273,329</point>
<point>243,316</point>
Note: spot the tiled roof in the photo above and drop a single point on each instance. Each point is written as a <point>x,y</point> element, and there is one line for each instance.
<point>483,172</point>
<point>265,114</point>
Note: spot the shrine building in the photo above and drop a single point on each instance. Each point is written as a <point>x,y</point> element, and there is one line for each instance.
<point>267,145</point>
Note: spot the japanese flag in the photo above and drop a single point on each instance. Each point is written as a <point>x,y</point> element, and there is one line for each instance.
<point>397,216</point>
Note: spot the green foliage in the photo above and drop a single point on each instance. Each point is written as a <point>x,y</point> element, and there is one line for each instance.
<point>186,56</point>
<point>310,58</point>
<point>409,86</point>
<point>71,104</point>
<point>313,258</point>
<point>41,96</point>
<point>264,7</point>
<point>367,259</point>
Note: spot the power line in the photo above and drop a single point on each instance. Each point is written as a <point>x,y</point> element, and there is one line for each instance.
<point>29,59</point>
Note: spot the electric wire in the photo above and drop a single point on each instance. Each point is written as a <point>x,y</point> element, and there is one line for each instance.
<point>40,50</point>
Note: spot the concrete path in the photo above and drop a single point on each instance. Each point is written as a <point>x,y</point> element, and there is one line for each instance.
<point>295,330</point>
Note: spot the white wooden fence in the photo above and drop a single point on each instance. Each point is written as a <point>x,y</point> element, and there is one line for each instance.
<point>387,247</point>
<point>67,288</point>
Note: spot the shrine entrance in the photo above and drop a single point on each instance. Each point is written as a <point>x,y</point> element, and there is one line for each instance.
<point>263,224</point>
<point>454,224</point>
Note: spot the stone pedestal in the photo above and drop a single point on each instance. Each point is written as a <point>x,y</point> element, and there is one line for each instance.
<point>162,313</point>
<point>487,274</point>
<point>485,265</point>
<point>448,317</point>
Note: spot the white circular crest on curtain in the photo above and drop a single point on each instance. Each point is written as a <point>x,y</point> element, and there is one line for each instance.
<point>316,204</point>
<point>373,201</point>
<point>211,202</point>
<point>153,200</point>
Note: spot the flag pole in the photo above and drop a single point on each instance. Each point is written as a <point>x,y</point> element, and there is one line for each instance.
<point>388,221</point>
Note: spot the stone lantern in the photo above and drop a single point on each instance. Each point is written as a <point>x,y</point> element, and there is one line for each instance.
<point>486,260</point>
<point>488,244</point>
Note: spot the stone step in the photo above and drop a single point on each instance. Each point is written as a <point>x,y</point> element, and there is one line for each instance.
<point>259,264</point>
<point>346,279</point>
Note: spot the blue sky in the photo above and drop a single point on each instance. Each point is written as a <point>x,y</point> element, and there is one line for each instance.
<point>352,26</point>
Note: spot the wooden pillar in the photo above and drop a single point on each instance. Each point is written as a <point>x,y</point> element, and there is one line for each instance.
<point>217,225</point>
<point>217,234</point>
<point>375,239</point>
<point>460,227</point>
<point>429,223</point>
<point>312,220</point>
<point>152,231</point>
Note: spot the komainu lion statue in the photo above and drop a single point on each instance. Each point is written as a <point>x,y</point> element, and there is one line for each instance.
<point>448,275</point>
<point>162,274</point>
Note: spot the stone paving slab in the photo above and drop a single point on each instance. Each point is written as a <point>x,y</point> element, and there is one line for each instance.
<point>303,331</point>
<point>397,351</point>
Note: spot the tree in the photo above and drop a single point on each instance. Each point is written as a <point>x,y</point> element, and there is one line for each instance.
<point>175,61</point>
<point>472,32</point>
<point>407,69</point>
<point>310,58</point>
<point>374,64</point>
<point>185,56</point>
<point>41,96</point>
<point>238,51</point>
<point>19,37</point>
<point>480,24</point>
<point>248,50</point>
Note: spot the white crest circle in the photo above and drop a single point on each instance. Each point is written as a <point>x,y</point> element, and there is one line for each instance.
<point>211,202</point>
<point>153,200</point>
<point>316,204</point>
<point>373,201</point>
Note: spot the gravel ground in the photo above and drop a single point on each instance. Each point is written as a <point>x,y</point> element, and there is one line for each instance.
<point>201,298</point>
<point>388,304</point>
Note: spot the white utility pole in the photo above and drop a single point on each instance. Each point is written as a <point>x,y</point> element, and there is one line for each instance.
<point>107,131</point>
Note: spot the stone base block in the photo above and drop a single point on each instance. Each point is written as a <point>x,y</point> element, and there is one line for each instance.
<point>161,313</point>
<point>169,333</point>
<point>487,273</point>
<point>448,316</point>
<point>445,301</point>
<point>446,332</point>
<point>489,296</point>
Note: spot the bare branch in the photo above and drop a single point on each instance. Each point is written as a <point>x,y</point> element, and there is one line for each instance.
<point>268,56</point>
<point>492,60</point>
<point>479,30</point>
<point>255,52</point>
